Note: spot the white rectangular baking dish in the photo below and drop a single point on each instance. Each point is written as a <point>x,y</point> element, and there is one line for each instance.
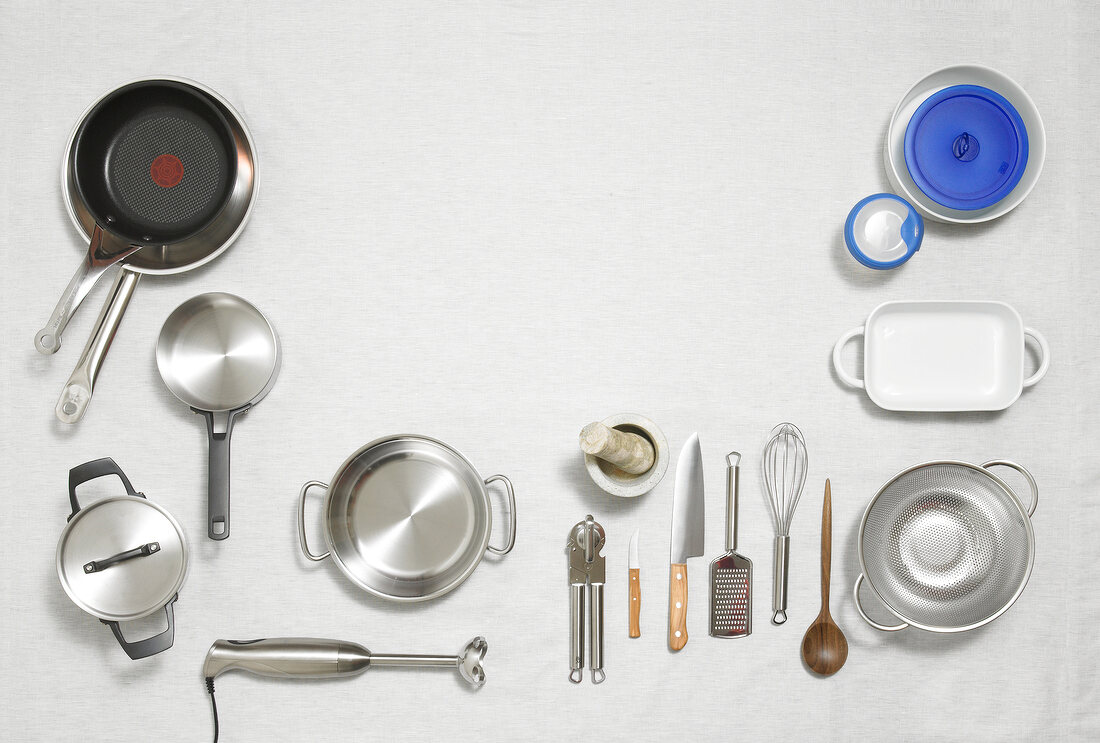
<point>943,356</point>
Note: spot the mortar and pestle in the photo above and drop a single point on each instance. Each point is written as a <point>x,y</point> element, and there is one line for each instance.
<point>626,454</point>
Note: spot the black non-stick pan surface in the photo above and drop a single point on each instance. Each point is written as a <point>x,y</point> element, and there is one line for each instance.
<point>154,162</point>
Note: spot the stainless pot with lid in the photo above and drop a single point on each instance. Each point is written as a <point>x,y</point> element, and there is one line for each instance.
<point>122,558</point>
<point>407,518</point>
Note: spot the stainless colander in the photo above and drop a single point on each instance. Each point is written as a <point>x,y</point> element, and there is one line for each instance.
<point>946,546</point>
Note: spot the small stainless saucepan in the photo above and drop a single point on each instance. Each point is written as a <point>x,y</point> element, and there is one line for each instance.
<point>407,518</point>
<point>219,355</point>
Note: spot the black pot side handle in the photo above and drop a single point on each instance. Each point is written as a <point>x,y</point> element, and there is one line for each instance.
<point>150,645</point>
<point>82,473</point>
<point>217,504</point>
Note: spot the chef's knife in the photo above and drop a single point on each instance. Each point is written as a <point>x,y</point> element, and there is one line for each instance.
<point>687,536</point>
<point>635,587</point>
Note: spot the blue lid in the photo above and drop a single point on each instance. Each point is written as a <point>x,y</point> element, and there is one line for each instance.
<point>883,231</point>
<point>966,147</point>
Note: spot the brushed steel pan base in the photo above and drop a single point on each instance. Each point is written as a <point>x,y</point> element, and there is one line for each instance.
<point>407,518</point>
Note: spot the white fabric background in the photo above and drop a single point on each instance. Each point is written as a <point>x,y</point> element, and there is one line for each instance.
<point>492,223</point>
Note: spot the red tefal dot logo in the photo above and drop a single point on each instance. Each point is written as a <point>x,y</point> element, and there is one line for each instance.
<point>166,171</point>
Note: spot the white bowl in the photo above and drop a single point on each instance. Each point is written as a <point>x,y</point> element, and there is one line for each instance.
<point>898,172</point>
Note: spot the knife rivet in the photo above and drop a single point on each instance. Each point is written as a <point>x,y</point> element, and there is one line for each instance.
<point>679,577</point>
<point>678,605</point>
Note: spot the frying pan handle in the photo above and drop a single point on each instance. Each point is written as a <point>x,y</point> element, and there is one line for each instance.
<point>511,512</point>
<point>302,520</point>
<point>1027,476</point>
<point>219,428</point>
<point>74,399</point>
<point>845,377</point>
<point>96,261</point>
<point>862,613</point>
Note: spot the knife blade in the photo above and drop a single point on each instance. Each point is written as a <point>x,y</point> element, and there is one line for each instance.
<point>688,521</point>
<point>635,566</point>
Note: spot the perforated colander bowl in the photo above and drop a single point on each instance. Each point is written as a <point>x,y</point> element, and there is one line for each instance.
<point>946,546</point>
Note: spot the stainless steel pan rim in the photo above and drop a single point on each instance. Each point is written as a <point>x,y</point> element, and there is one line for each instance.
<point>225,231</point>
<point>1024,512</point>
<point>463,538</point>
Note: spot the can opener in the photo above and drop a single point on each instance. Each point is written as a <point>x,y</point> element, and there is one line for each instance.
<point>586,576</point>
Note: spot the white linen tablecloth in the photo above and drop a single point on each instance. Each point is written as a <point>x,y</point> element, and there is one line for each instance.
<point>492,223</point>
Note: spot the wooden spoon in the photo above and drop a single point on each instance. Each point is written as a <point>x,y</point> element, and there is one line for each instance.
<point>824,647</point>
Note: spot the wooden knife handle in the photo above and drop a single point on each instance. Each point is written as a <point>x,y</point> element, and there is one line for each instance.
<point>635,603</point>
<point>677,606</point>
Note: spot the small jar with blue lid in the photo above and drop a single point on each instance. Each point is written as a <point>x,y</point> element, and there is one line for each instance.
<point>883,231</point>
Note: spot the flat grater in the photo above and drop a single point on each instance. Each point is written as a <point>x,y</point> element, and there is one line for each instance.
<point>731,573</point>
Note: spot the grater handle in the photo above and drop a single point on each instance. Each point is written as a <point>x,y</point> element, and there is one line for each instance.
<point>733,485</point>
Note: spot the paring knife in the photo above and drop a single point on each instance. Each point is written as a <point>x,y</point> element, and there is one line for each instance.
<point>688,519</point>
<point>635,587</point>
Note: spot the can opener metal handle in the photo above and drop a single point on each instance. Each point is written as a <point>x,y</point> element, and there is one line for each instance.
<point>586,576</point>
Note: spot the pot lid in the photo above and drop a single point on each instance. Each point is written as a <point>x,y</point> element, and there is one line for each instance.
<point>122,558</point>
<point>966,147</point>
<point>883,231</point>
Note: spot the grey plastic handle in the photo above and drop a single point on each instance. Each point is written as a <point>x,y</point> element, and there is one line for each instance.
<point>285,657</point>
<point>302,520</point>
<point>77,393</point>
<point>219,429</point>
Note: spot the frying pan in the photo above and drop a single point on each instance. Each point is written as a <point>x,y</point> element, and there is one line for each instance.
<point>164,162</point>
<point>219,355</point>
<point>151,161</point>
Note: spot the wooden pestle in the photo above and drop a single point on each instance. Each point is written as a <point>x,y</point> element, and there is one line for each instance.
<point>629,452</point>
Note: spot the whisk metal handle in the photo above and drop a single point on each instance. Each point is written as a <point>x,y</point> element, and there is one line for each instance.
<point>779,579</point>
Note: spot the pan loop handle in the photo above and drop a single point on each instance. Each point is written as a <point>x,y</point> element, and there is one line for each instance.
<point>302,520</point>
<point>838,364</point>
<point>862,613</point>
<point>511,512</point>
<point>1027,476</point>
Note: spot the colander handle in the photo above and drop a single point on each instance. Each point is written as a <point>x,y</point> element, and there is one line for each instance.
<point>845,377</point>
<point>862,613</point>
<point>1044,361</point>
<point>1027,475</point>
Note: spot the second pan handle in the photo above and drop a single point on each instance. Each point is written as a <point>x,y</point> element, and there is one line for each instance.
<point>219,428</point>
<point>74,399</point>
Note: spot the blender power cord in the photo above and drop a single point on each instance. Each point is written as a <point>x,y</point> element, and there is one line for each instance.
<point>213,706</point>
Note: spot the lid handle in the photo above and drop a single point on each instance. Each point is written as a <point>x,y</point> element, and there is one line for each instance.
<point>91,470</point>
<point>146,549</point>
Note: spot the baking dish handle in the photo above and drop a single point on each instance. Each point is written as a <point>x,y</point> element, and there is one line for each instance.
<point>511,512</point>
<point>845,377</point>
<point>1027,476</point>
<point>302,520</point>
<point>862,613</point>
<point>1044,362</point>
